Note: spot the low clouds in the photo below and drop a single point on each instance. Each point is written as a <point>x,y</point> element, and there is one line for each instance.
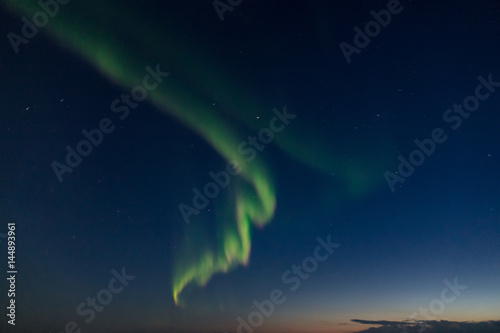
<point>429,326</point>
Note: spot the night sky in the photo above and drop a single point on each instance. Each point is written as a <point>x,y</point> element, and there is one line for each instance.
<point>251,166</point>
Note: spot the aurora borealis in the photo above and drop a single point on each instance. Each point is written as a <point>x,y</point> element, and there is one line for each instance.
<point>208,156</point>
<point>233,246</point>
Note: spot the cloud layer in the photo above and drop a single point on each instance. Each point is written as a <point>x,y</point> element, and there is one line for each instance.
<point>429,326</point>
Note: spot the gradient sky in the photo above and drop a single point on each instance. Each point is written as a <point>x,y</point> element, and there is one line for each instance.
<point>321,176</point>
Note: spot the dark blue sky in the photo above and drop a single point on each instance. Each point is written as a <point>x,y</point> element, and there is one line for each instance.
<point>430,243</point>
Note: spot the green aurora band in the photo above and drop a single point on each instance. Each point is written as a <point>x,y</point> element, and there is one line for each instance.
<point>119,56</point>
